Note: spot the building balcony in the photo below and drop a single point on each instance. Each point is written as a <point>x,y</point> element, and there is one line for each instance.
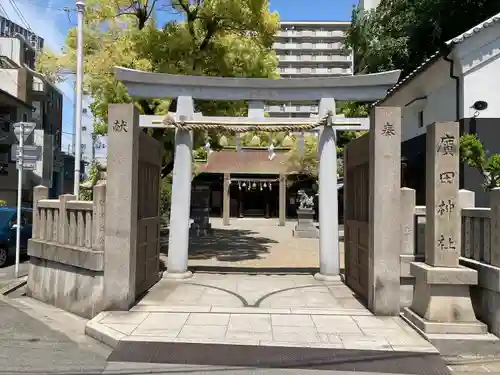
<point>311,33</point>
<point>315,58</point>
<point>308,46</point>
<point>314,71</point>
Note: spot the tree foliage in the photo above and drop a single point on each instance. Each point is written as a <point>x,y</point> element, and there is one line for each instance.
<point>400,34</point>
<point>214,37</point>
<point>472,152</point>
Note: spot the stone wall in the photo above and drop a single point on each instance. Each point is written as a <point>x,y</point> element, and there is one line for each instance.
<point>67,252</point>
<point>480,251</point>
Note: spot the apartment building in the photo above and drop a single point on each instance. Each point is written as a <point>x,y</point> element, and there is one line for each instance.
<point>42,104</point>
<point>309,49</point>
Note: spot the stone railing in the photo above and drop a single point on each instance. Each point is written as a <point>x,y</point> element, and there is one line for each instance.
<point>480,250</point>
<point>67,251</point>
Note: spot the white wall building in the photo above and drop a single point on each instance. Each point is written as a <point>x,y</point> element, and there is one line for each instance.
<point>309,49</point>
<point>460,84</point>
<point>369,4</point>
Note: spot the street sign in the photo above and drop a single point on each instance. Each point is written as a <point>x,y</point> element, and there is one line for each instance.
<point>28,128</point>
<point>27,165</point>
<point>31,153</point>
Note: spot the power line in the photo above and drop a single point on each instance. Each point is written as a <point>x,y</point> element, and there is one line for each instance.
<point>21,15</point>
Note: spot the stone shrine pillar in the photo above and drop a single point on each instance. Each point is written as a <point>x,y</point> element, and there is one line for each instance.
<point>384,241</point>
<point>441,302</point>
<point>178,243</point>
<point>226,199</point>
<point>122,185</point>
<point>329,257</point>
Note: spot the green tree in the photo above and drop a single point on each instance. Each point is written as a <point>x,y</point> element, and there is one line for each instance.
<point>215,37</point>
<point>401,34</point>
<point>473,154</point>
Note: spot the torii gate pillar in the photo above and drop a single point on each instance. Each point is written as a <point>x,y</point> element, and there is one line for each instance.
<point>329,256</point>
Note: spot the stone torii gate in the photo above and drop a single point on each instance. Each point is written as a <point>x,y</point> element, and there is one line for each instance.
<point>370,87</point>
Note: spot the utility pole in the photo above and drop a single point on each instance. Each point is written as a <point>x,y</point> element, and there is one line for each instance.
<point>80,8</point>
<point>19,197</point>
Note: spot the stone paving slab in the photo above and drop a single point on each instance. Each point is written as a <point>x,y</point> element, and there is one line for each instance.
<point>260,329</point>
<point>207,291</point>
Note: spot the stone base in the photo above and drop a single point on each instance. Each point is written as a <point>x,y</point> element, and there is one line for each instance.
<point>436,330</point>
<point>306,233</point>
<point>321,277</point>
<point>441,301</point>
<point>177,275</point>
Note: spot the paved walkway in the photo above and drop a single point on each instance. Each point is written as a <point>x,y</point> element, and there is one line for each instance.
<point>253,243</point>
<point>289,310</point>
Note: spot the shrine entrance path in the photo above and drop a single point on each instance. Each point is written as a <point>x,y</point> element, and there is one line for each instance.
<point>252,244</point>
<point>233,307</point>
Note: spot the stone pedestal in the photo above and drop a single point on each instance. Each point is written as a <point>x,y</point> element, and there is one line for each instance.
<point>200,211</point>
<point>441,302</point>
<point>305,227</point>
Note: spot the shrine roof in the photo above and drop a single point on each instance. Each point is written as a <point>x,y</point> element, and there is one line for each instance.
<point>246,161</point>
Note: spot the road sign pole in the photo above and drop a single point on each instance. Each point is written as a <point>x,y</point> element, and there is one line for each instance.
<point>19,198</point>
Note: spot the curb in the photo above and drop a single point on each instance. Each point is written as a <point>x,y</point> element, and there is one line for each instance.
<point>13,286</point>
<point>102,333</point>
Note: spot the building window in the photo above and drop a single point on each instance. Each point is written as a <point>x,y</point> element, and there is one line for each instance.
<point>420,119</point>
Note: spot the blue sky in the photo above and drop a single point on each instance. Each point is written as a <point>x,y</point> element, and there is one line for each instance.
<point>48,19</point>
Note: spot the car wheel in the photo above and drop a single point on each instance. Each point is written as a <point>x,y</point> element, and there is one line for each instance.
<point>3,256</point>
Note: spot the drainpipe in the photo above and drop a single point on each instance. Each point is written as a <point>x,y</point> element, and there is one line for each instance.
<point>447,51</point>
<point>457,82</point>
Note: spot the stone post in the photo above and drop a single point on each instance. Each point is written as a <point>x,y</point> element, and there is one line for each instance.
<point>329,257</point>
<point>99,216</point>
<point>408,199</point>
<point>178,245</point>
<point>441,303</point>
<point>407,256</point>
<point>120,255</point>
<point>226,199</point>
<point>63,219</point>
<point>39,192</point>
<point>384,244</point>
<point>495,227</point>
<point>282,200</point>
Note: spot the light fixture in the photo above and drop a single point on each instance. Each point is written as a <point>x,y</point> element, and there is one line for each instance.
<point>265,185</point>
<point>243,184</point>
<point>239,185</point>
<point>254,185</point>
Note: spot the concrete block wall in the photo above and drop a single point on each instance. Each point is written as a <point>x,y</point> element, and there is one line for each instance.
<point>67,252</point>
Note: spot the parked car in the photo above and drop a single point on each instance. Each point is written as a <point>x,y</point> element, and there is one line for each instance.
<point>8,225</point>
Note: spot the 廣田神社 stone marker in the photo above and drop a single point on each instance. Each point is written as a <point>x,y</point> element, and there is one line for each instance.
<point>441,301</point>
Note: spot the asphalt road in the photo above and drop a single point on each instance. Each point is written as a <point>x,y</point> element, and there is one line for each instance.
<point>7,273</point>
